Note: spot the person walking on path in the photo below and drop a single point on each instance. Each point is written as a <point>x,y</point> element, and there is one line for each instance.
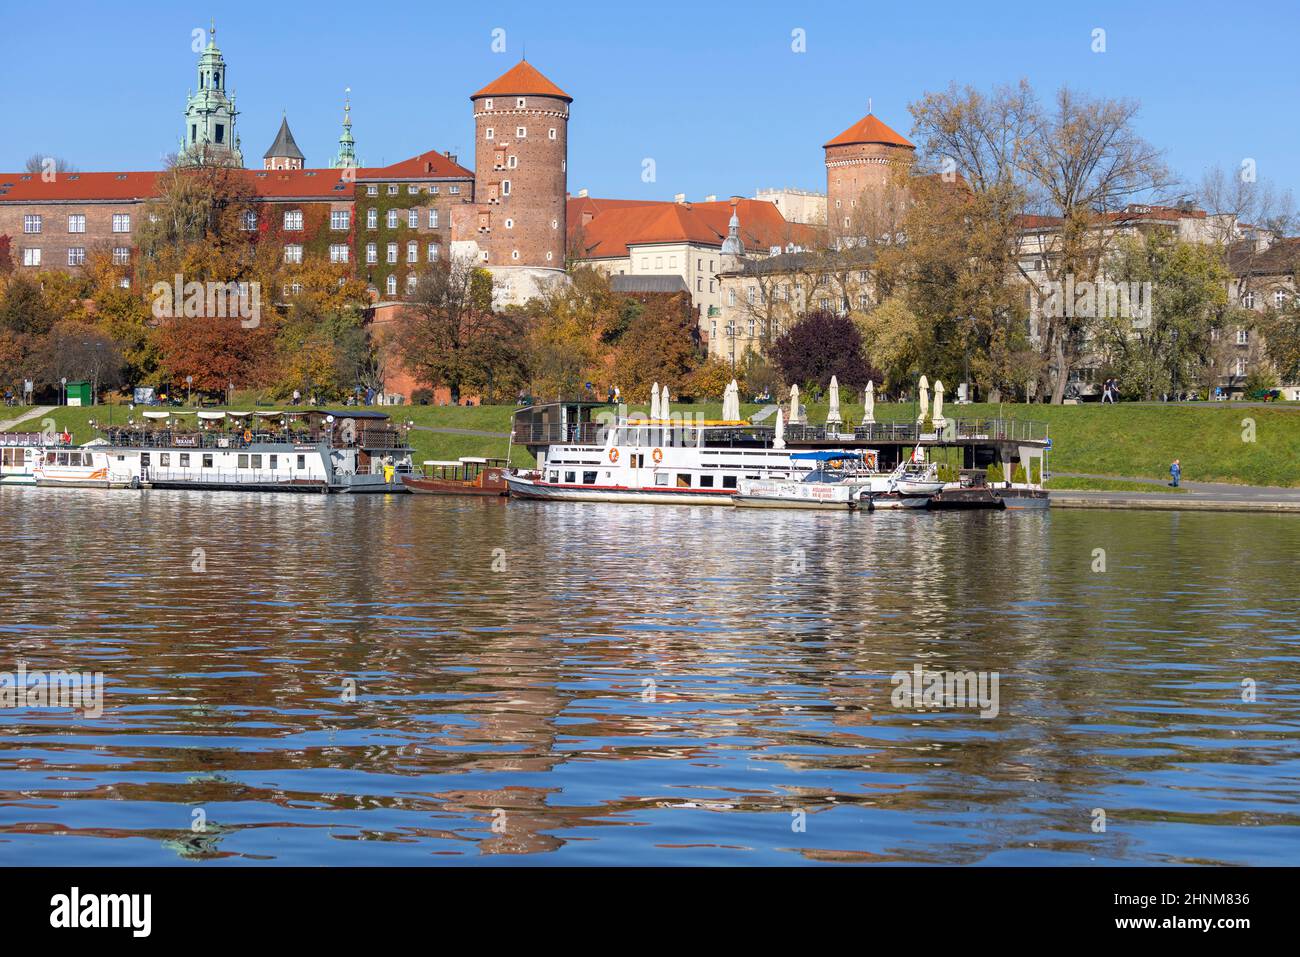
<point>1176,471</point>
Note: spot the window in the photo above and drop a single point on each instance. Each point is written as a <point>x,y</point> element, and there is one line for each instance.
<point>185,460</point>
<point>588,478</point>
<point>392,252</point>
<point>410,283</point>
<point>165,459</point>
<point>433,219</point>
<point>728,481</point>
<point>412,252</point>
<point>121,255</point>
<point>391,285</point>
<point>489,134</point>
<point>683,480</point>
<point>1240,366</point>
<point>392,189</point>
<point>699,284</point>
<point>659,262</point>
<point>661,478</point>
<point>274,461</point>
<point>550,134</point>
<point>433,252</point>
<point>372,253</point>
<point>510,224</point>
<point>392,219</point>
<point>242,462</point>
<point>293,219</point>
<point>31,224</point>
<point>372,190</point>
<point>250,220</point>
<point>77,223</point>
<point>514,254</point>
<point>731,297</point>
<point>413,218</point>
<point>454,190</point>
<point>569,477</point>
<point>338,252</point>
<point>706,481</point>
<point>1243,337</point>
<point>433,190</point>
<point>372,218</point>
<point>1248,300</point>
<point>124,283</point>
<point>512,162</point>
<point>76,255</point>
<point>302,461</point>
<point>1279,298</point>
<point>487,104</point>
<point>121,222</point>
<point>505,187</point>
<point>520,103</point>
<point>207,460</point>
<point>293,253</point>
<point>340,219</point>
<point>413,190</point>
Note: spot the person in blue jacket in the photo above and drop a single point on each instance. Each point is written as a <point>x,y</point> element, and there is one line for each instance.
<point>1176,471</point>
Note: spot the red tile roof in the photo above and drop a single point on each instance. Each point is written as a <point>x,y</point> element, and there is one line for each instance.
<point>617,224</point>
<point>430,164</point>
<point>870,130</point>
<point>522,79</point>
<point>316,184</point>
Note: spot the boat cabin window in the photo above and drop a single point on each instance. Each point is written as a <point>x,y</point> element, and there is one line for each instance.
<point>568,477</point>
<point>274,461</point>
<point>185,460</point>
<point>728,481</point>
<point>302,461</point>
<point>207,460</point>
<point>706,481</point>
<point>554,477</point>
<point>257,461</point>
<point>588,478</point>
<point>243,461</point>
<point>661,478</point>
<point>164,459</point>
<point>683,480</point>
<point>63,458</point>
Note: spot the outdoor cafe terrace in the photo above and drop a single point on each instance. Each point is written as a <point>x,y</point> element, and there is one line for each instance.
<point>230,430</point>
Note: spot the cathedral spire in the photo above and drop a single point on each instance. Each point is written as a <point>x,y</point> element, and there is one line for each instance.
<point>209,135</point>
<point>346,158</point>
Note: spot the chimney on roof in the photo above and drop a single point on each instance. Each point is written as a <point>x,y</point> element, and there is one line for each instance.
<point>582,194</point>
<point>711,198</point>
<point>679,197</point>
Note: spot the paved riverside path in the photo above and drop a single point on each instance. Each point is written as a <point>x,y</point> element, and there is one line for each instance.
<point>1200,496</point>
<point>36,413</point>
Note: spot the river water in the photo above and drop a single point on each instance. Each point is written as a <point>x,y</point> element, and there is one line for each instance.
<point>404,680</point>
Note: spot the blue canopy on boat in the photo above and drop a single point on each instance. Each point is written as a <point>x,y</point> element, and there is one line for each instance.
<point>826,455</point>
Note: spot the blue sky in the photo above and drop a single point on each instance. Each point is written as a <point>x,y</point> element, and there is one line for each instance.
<point>712,92</point>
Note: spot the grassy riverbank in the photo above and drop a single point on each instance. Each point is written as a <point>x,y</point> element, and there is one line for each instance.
<point>1128,440</point>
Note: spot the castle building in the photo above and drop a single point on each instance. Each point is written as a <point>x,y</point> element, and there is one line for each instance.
<point>516,228</point>
<point>284,152</point>
<point>210,135</point>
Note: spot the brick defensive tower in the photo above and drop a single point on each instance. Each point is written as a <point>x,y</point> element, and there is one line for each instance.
<point>866,166</point>
<point>521,147</point>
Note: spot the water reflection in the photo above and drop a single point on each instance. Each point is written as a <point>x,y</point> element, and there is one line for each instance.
<point>553,683</point>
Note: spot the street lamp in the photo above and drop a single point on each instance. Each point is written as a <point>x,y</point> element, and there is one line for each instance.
<point>63,388</point>
<point>189,381</point>
<point>230,391</point>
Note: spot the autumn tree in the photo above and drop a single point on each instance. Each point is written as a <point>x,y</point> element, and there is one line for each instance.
<point>657,346</point>
<point>450,336</point>
<point>819,345</point>
<point>78,351</point>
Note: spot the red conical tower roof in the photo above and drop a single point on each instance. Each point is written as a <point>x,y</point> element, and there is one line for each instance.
<point>522,79</point>
<point>870,130</point>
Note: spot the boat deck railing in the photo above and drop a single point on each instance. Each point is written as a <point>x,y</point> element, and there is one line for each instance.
<point>170,439</point>
<point>28,438</point>
<point>954,430</point>
<point>585,433</point>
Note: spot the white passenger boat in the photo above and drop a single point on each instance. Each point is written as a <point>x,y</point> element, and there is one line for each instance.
<point>839,480</point>
<point>18,454</point>
<point>81,467</point>
<point>313,450</point>
<point>638,459</point>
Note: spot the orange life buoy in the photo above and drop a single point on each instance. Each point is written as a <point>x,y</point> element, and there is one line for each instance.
<point>248,435</point>
<point>657,455</point>
<point>613,455</point>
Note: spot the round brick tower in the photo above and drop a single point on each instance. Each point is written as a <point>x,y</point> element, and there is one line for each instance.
<point>865,166</point>
<point>521,154</point>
